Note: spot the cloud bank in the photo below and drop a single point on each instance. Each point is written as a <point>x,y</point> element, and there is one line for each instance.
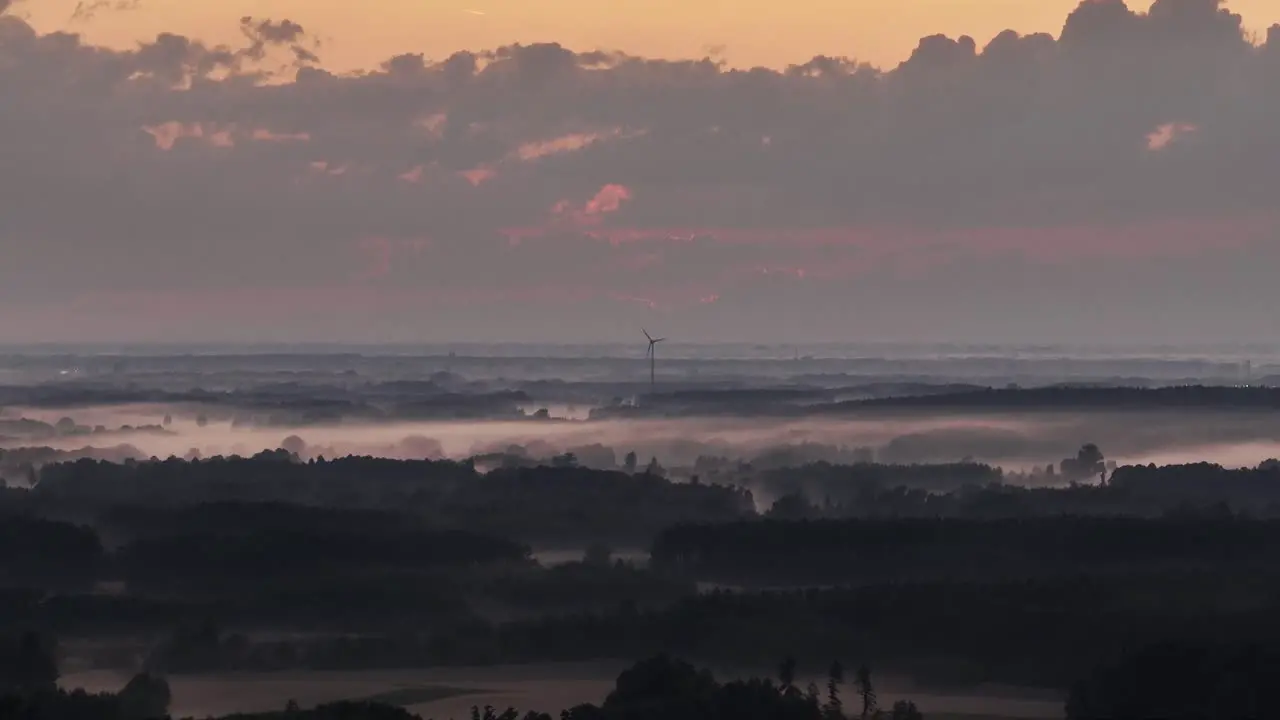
<point>1119,178</point>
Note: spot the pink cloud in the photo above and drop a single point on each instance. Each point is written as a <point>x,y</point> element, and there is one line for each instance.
<point>565,143</point>
<point>322,167</point>
<point>657,279</point>
<point>1167,134</point>
<point>167,134</point>
<point>608,199</point>
<point>569,216</point>
<point>414,175</point>
<point>477,176</point>
<point>269,136</point>
<point>571,142</point>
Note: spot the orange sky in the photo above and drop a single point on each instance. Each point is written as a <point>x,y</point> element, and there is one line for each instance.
<point>752,32</point>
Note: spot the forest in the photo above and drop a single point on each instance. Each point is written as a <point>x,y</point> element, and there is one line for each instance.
<point>1052,578</point>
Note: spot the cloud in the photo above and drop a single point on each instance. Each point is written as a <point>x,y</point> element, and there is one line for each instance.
<point>1165,135</point>
<point>564,143</point>
<point>263,34</point>
<point>86,10</point>
<point>1126,163</point>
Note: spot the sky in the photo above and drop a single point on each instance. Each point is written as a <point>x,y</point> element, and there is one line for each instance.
<point>810,170</point>
<point>744,33</point>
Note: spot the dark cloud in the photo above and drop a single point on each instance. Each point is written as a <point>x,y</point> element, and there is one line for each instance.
<point>264,34</point>
<point>267,31</point>
<point>1127,162</point>
<point>86,10</point>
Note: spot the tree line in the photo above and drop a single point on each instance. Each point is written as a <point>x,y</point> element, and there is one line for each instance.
<point>887,550</point>
<point>567,505</point>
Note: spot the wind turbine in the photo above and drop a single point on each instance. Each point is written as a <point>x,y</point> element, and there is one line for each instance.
<point>651,354</point>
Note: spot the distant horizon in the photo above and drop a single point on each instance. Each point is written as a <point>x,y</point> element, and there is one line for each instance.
<point>1218,352</point>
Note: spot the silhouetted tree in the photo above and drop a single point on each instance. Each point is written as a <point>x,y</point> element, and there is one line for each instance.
<point>793,506</point>
<point>145,698</point>
<point>866,691</point>
<point>787,676</point>
<point>567,460</point>
<point>1088,462</point>
<point>906,710</point>
<point>489,714</point>
<point>30,666</point>
<point>811,694</point>
<point>1183,680</point>
<point>654,469</point>
<point>294,445</point>
<point>834,709</point>
<point>661,684</point>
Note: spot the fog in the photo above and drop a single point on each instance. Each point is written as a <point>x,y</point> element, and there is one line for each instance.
<point>1015,441</point>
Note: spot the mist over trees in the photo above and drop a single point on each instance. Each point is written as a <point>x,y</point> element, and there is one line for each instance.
<point>898,547</point>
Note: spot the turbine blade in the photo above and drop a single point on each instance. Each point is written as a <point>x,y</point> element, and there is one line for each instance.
<point>659,340</point>
<point>646,334</point>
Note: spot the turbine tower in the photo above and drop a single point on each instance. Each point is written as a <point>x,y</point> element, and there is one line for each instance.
<point>651,354</point>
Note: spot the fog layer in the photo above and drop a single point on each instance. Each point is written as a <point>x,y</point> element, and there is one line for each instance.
<point>1015,441</point>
